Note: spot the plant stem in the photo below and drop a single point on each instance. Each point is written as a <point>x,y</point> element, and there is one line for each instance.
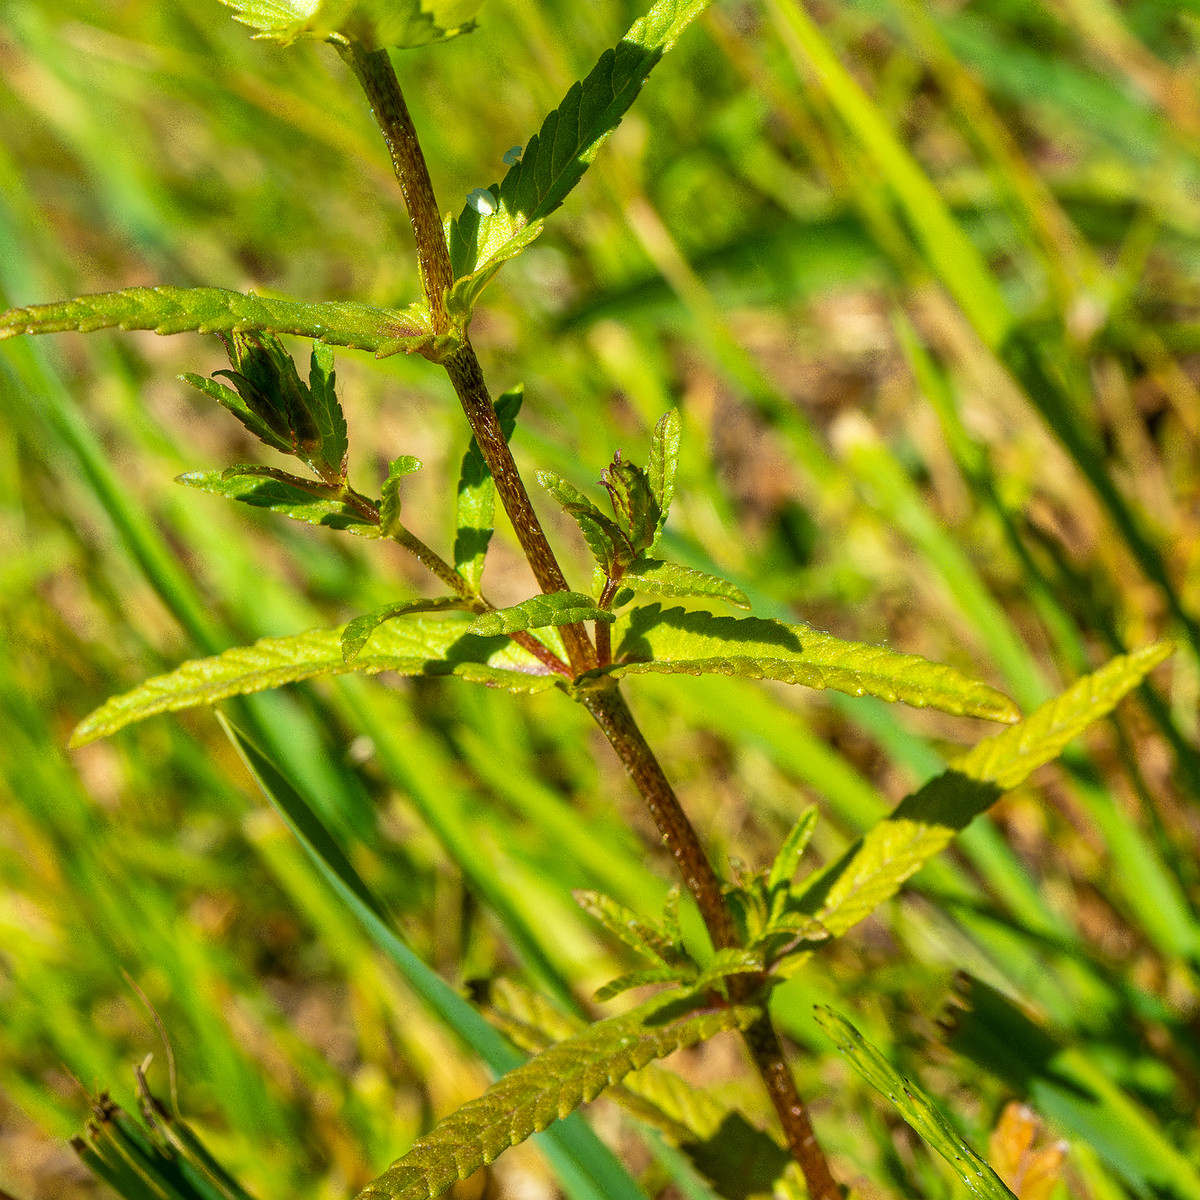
<point>378,80</point>
<point>467,378</point>
<point>374,72</point>
<point>612,714</point>
<point>763,1043</point>
<point>603,632</point>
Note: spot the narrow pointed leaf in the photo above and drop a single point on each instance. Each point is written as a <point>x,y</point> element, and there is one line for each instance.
<point>571,1146</point>
<point>654,577</point>
<point>609,546</point>
<point>638,933</point>
<point>413,646</point>
<point>357,633</point>
<point>261,490</point>
<point>327,412</point>
<point>553,608</point>
<point>216,310</point>
<point>229,399</point>
<point>477,495</point>
<point>673,641</point>
<point>637,979</point>
<point>557,156</point>
<point>1071,1087</point>
<point>733,961</point>
<point>549,1087</point>
<point>633,502</point>
<point>374,23</point>
<point>923,824</point>
<point>1011,757</point>
<point>787,861</point>
<point>914,1106</point>
<point>389,504</point>
<point>664,463</point>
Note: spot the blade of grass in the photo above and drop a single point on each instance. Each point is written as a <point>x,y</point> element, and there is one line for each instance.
<point>588,1169</point>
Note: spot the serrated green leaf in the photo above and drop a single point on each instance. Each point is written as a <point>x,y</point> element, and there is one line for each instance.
<point>229,399</point>
<point>673,641</point>
<point>552,608</point>
<point>923,824</point>
<point>557,156</point>
<point>637,979</point>
<point>356,634</point>
<point>389,504</point>
<point>664,463</point>
<point>374,23</point>
<point>254,486</point>
<point>534,1019</point>
<point>216,310</point>
<point>787,861</point>
<point>414,646</point>
<point>548,1087</point>
<point>608,544</point>
<point>663,943</point>
<point>787,941</point>
<point>740,1159</point>
<point>266,378</point>
<point>914,1106</point>
<point>327,411</point>
<point>477,495</point>
<point>652,576</point>
<point>1011,757</point>
<point>731,961</point>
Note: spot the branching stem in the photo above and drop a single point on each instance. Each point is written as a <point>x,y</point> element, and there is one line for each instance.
<point>607,705</point>
<point>374,72</point>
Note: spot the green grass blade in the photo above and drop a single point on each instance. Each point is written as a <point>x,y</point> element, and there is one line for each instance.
<point>914,1106</point>
<point>1066,1085</point>
<point>952,254</point>
<point>585,1165</point>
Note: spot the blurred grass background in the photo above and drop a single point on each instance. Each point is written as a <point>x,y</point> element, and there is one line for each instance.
<point>836,238</point>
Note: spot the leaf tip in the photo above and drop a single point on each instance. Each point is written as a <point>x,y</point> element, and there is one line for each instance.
<point>83,734</point>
